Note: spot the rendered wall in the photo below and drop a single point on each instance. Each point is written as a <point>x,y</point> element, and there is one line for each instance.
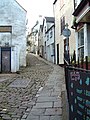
<point>12,14</point>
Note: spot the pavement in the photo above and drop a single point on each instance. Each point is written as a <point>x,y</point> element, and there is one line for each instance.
<point>36,92</point>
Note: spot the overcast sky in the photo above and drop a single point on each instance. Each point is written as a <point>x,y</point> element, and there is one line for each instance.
<point>37,7</point>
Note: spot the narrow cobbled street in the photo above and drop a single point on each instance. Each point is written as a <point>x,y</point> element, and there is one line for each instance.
<point>33,93</point>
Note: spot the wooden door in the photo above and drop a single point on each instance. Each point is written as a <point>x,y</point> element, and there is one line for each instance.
<point>5,59</point>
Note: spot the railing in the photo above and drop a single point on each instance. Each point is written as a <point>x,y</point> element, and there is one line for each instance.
<point>82,63</point>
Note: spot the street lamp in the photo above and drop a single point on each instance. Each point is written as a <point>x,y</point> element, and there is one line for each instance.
<point>66,33</point>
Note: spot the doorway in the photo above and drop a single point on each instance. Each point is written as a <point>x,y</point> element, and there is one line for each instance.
<point>57,53</point>
<point>5,59</point>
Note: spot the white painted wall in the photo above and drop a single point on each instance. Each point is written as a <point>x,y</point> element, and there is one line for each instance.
<point>51,40</point>
<point>66,10</point>
<point>50,46</point>
<point>40,38</point>
<point>12,14</point>
<point>44,39</point>
<point>47,49</point>
<point>57,25</point>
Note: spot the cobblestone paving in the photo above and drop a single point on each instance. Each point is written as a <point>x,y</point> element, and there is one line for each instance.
<point>16,100</point>
<point>49,97</point>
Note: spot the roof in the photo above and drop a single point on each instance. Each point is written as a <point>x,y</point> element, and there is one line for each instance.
<point>20,5</point>
<point>50,27</point>
<point>55,1</point>
<point>50,19</point>
<point>35,25</point>
<point>80,7</point>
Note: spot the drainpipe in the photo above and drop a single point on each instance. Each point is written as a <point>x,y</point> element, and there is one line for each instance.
<point>54,33</point>
<point>54,46</point>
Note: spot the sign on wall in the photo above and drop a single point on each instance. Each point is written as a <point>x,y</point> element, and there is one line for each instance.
<point>79,95</point>
<point>5,28</point>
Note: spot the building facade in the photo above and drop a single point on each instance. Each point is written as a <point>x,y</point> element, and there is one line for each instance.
<point>82,27</point>
<point>40,41</point>
<point>49,39</point>
<point>33,39</point>
<point>12,36</point>
<point>63,14</point>
<point>50,44</point>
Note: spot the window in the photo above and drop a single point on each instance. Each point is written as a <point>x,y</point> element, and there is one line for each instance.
<point>81,43</point>
<point>47,37</point>
<point>62,24</point>
<point>45,47</point>
<point>52,49</point>
<point>51,33</point>
<point>45,31</point>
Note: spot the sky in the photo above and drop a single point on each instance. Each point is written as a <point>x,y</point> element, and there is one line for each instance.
<point>35,8</point>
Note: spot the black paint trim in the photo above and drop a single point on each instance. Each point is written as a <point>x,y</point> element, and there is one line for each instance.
<point>80,7</point>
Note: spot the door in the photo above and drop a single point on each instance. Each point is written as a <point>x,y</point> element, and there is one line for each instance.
<point>5,59</point>
<point>57,53</point>
<point>66,50</point>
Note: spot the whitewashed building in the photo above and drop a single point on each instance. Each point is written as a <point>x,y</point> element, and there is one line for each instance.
<point>63,10</point>
<point>50,44</point>
<point>12,36</point>
<point>40,41</point>
<point>33,39</point>
<point>48,39</point>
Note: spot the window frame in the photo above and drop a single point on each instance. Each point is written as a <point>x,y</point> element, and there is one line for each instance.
<point>47,36</point>
<point>62,23</point>
<point>51,33</point>
<point>80,46</point>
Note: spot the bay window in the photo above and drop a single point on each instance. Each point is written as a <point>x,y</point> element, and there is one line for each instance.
<point>81,43</point>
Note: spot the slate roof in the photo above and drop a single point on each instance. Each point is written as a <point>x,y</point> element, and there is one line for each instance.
<point>50,19</point>
<point>50,28</point>
<point>20,5</point>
